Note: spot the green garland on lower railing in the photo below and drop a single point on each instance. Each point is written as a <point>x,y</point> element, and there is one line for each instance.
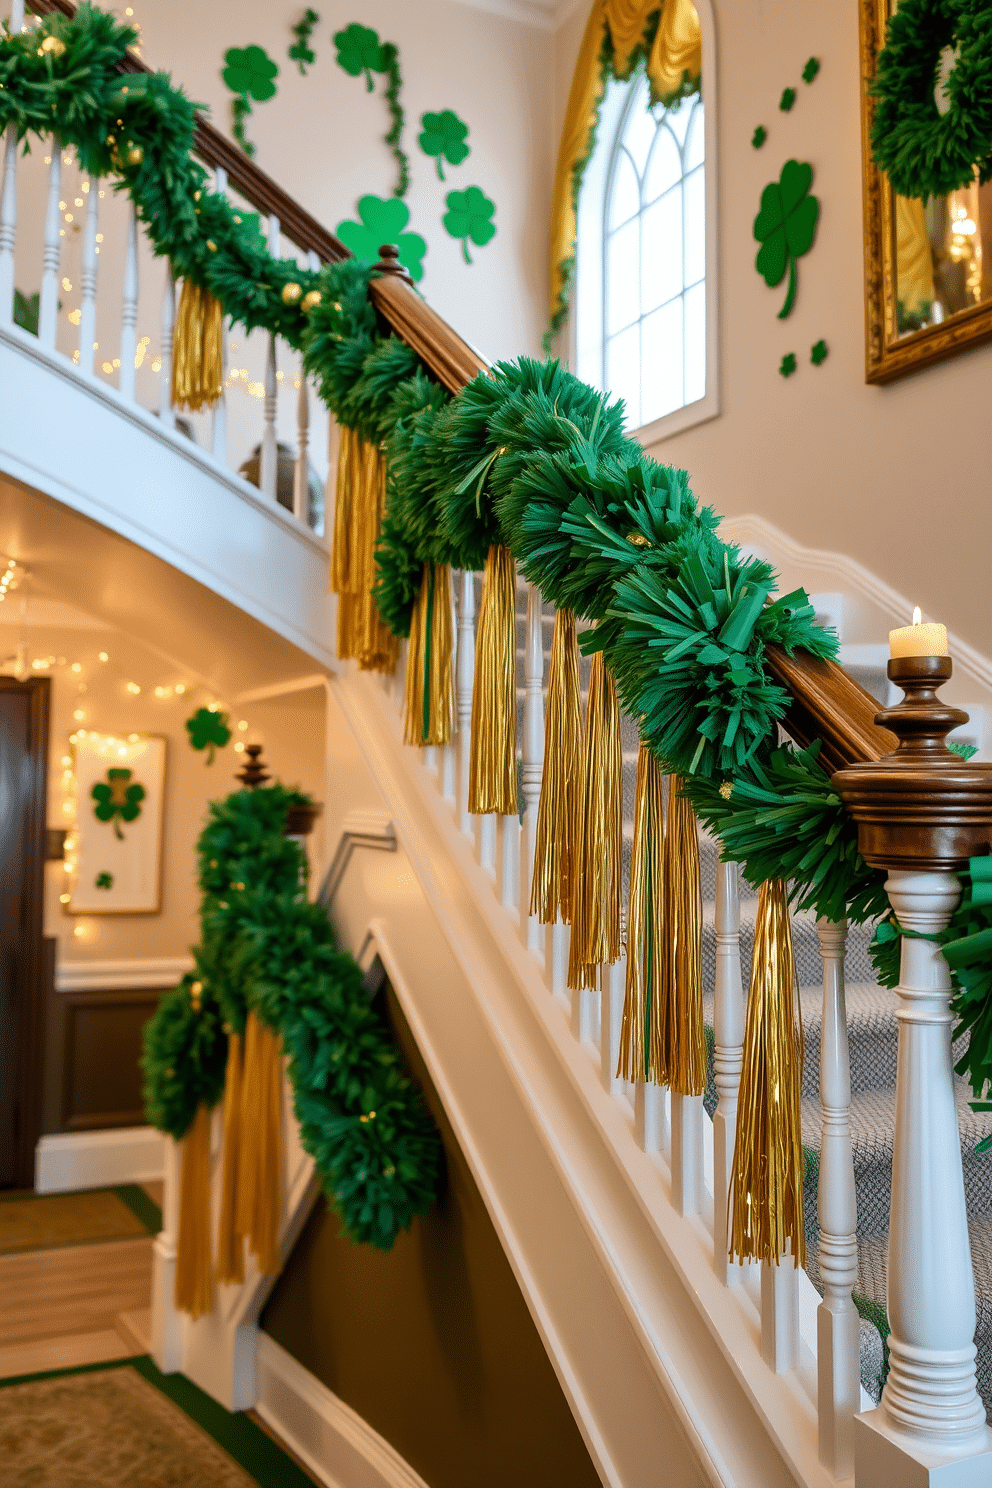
<point>265,947</point>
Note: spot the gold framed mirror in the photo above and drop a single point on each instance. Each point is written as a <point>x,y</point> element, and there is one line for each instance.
<point>928,272</point>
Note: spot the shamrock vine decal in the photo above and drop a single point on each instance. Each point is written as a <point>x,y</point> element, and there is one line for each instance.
<point>249,74</point>
<point>469,215</point>
<point>208,729</point>
<point>382,221</point>
<point>444,137</point>
<point>115,798</point>
<point>301,51</point>
<point>360,51</point>
<point>785,227</point>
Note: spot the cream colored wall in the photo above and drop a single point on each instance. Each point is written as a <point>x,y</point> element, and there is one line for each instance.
<point>896,476</point>
<point>291,730</point>
<point>321,136</point>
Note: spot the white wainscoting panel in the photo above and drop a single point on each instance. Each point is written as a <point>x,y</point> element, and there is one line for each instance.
<point>98,1159</point>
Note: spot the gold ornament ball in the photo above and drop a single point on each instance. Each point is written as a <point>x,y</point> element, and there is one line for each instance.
<point>54,45</point>
<point>311,299</point>
<point>291,293</point>
<point>135,154</point>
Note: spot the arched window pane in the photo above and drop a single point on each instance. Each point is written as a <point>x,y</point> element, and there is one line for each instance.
<point>662,362</point>
<point>694,208</point>
<point>695,343</point>
<point>639,134</point>
<point>664,167</point>
<point>623,276</point>
<point>695,142</point>
<point>661,251</point>
<point>680,117</point>
<point>625,197</point>
<point>623,371</point>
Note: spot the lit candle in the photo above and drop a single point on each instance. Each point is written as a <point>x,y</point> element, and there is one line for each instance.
<point>918,639</point>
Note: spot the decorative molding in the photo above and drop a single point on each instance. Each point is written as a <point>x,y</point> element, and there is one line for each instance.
<point>359,829</point>
<point>100,1159</point>
<point>99,976</point>
<point>336,1444</point>
<point>542,15</point>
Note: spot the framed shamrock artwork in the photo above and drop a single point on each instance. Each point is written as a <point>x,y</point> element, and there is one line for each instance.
<point>116,858</point>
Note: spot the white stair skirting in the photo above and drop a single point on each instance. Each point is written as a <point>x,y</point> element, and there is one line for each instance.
<point>334,1442</point>
<point>99,1159</point>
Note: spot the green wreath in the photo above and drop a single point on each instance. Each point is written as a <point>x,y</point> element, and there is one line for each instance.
<point>925,152</point>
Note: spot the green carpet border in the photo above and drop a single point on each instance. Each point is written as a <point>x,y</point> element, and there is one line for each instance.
<point>249,1446</point>
<point>141,1205</point>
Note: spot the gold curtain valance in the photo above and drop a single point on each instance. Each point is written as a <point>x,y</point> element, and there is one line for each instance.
<point>675,51</point>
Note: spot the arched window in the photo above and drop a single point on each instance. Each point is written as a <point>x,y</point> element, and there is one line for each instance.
<point>643,297</point>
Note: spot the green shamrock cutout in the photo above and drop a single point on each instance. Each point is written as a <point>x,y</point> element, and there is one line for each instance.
<point>785,227</point>
<point>115,798</point>
<point>208,729</point>
<point>818,352</point>
<point>104,881</point>
<point>469,215</point>
<point>810,70</point>
<point>788,364</point>
<point>359,50</point>
<point>444,137</point>
<point>787,100</point>
<point>382,220</point>
<point>250,72</point>
<point>301,52</point>
<point>759,136</point>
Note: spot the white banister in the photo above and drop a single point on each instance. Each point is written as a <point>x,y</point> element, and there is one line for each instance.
<point>931,1412</point>
<point>48,310</point>
<point>129,331</point>
<point>838,1324</point>
<point>8,198</point>
<point>87,308</point>
<point>165,410</point>
<point>728,1039</point>
<point>464,680</point>
<point>301,471</point>
<point>268,467</point>
<point>218,443</point>
<point>532,761</point>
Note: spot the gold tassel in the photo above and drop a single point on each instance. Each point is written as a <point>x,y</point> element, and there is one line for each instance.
<point>767,1192</point>
<point>359,507</point>
<point>645,930</point>
<point>493,759</point>
<point>596,887</point>
<point>340,576</point>
<point>230,1244</point>
<point>250,1133</point>
<point>678,1043</point>
<point>561,781</point>
<point>197,349</point>
<point>259,1201</point>
<point>429,675</point>
<point>194,1279</point>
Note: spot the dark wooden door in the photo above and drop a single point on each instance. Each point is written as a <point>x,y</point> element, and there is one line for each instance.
<point>23,778</point>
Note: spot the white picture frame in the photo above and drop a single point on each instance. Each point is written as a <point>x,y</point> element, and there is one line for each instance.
<point>127,853</point>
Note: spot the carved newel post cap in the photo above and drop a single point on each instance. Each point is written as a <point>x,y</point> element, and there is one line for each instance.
<point>923,806</point>
<point>389,263</point>
<point>254,772</point>
<point>301,817</point>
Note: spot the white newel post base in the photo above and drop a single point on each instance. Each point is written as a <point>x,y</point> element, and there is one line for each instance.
<point>929,1431</point>
<point>167,1323</point>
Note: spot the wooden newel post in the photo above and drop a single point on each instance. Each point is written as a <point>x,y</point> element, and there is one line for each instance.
<point>922,812</point>
<point>389,263</point>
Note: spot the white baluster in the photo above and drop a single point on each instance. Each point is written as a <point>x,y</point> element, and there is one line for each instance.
<point>486,843</point>
<point>930,1412</point>
<point>533,760</point>
<point>219,430</point>
<point>780,1314</point>
<point>584,1018</point>
<point>87,308</point>
<point>687,1152</point>
<point>48,313</point>
<point>167,1323</point>
<point>449,752</point>
<point>8,198</point>
<point>652,1117</point>
<point>728,1039</point>
<point>301,471</point>
<point>129,332</point>
<point>268,474</point>
<point>557,958</point>
<point>509,829</point>
<point>837,1322</point>
<point>465,677</point>
<point>166,412</point>
<point>610,1020</point>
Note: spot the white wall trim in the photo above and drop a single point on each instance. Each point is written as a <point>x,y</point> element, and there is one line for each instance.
<point>334,1441</point>
<point>95,976</point>
<point>359,829</point>
<point>99,1159</point>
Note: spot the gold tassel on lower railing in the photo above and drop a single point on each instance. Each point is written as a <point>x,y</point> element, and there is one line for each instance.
<point>429,673</point>
<point>596,887</point>
<point>561,781</point>
<point>677,1034</point>
<point>493,758</point>
<point>360,503</point>
<point>259,1202</point>
<point>194,1268</point>
<point>767,1190</point>
<point>250,1128</point>
<point>230,1243</point>
<point>197,349</point>
<point>340,575</point>
<point>646,952</point>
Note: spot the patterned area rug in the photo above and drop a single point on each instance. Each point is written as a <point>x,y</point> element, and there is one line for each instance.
<point>49,1221</point>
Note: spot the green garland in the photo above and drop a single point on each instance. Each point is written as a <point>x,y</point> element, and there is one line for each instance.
<point>265,947</point>
<point>923,152</point>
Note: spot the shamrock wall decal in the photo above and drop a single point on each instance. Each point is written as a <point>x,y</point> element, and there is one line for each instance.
<point>382,220</point>
<point>469,215</point>
<point>444,137</point>
<point>249,74</point>
<point>104,881</point>
<point>301,52</point>
<point>115,797</point>
<point>785,227</point>
<point>359,50</point>
<point>208,729</point>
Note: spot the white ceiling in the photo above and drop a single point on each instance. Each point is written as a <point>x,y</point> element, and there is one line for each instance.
<point>545,15</point>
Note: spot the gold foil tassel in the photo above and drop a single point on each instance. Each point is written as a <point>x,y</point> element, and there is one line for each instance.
<point>340,576</point>
<point>259,1200</point>
<point>561,781</point>
<point>767,1191</point>
<point>493,759</point>
<point>359,506</point>
<point>645,930</point>
<point>194,1272</point>
<point>596,886</point>
<point>197,349</point>
<point>250,1133</point>
<point>429,672</point>
<point>678,1039</point>
<point>230,1246</point>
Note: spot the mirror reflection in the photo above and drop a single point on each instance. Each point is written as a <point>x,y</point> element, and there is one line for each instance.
<point>943,256</point>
